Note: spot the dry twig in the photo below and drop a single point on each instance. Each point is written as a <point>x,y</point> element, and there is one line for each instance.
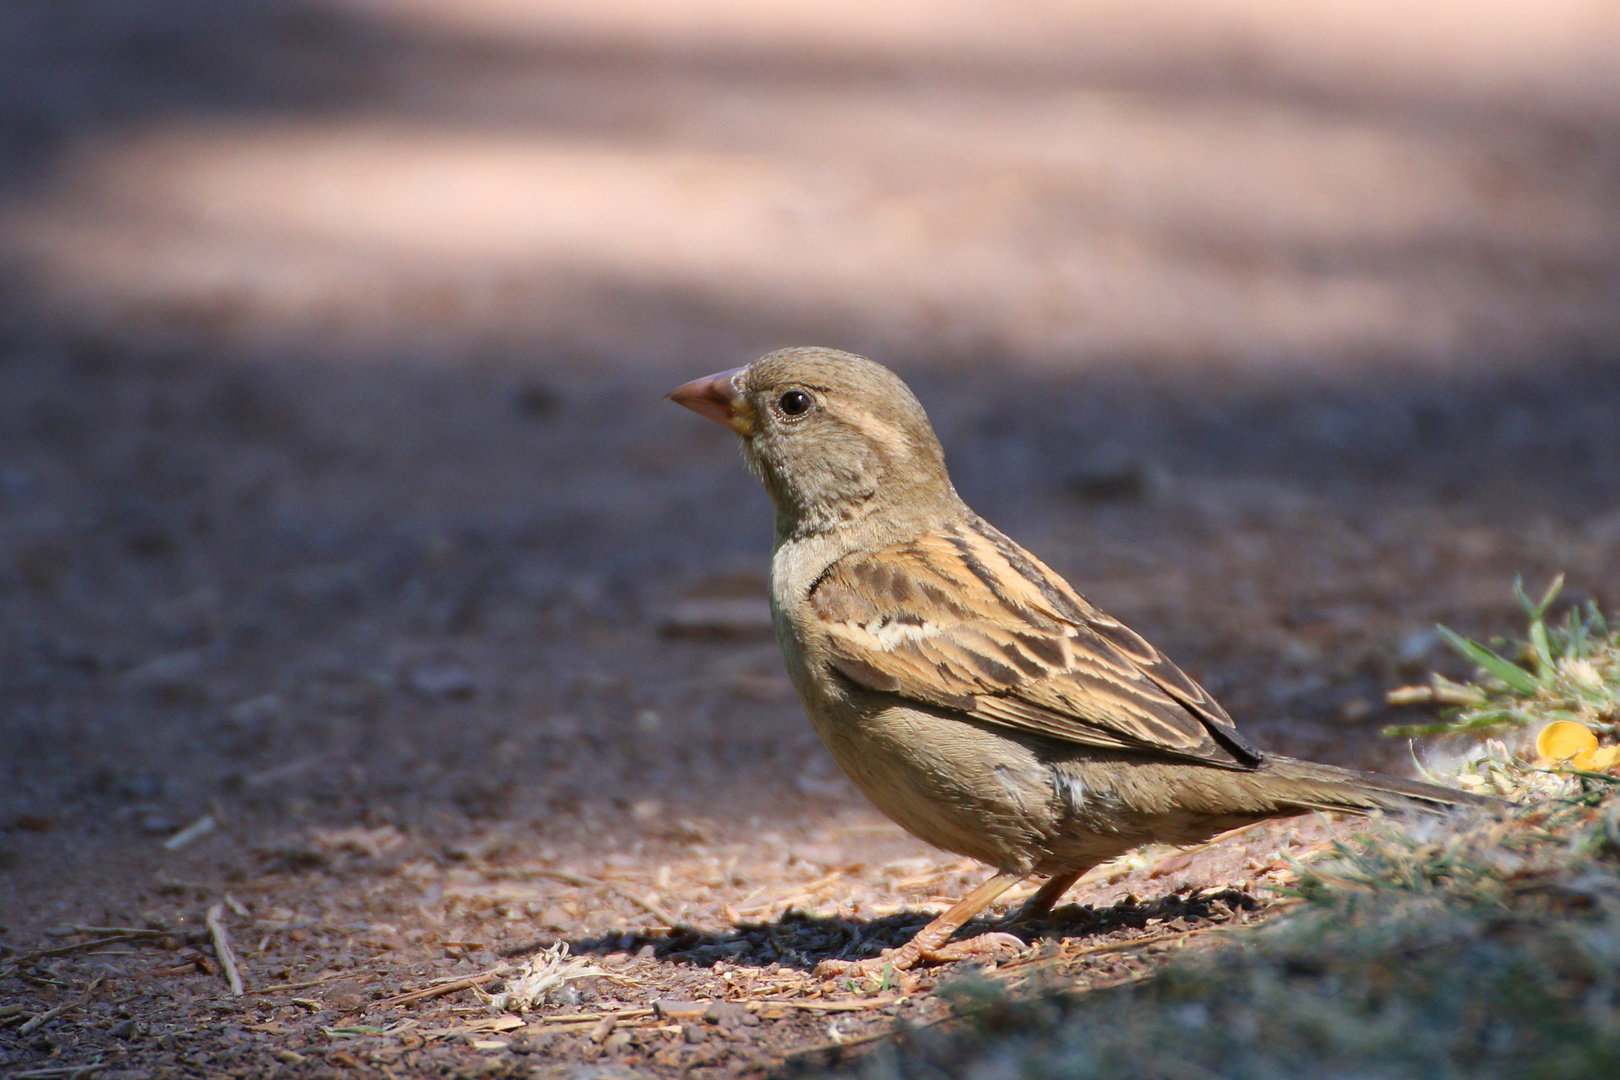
<point>449,986</point>
<point>35,1022</point>
<point>222,947</point>
<point>60,1072</point>
<point>305,985</point>
<point>65,950</point>
<point>580,1018</point>
<point>859,1005</point>
<point>197,829</point>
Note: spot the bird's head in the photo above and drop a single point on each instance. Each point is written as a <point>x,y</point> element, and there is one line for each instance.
<point>835,437</point>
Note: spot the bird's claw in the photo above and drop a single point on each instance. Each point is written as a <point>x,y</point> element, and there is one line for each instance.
<point>983,946</point>
<point>911,954</point>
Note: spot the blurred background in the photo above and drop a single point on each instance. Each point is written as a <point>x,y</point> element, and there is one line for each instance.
<point>335,484</point>
<point>1050,184</point>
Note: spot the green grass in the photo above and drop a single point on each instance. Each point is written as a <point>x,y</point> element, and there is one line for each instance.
<point>1566,669</point>
<point>1482,945</point>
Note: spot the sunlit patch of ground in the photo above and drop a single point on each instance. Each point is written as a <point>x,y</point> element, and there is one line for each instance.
<point>1062,187</point>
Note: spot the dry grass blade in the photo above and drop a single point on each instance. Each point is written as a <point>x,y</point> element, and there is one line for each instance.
<point>32,1024</point>
<point>222,947</point>
<point>582,1018</point>
<point>1139,943</point>
<point>83,946</point>
<point>305,985</point>
<point>448,986</point>
<point>196,830</point>
<point>651,907</point>
<point>829,1006</point>
<point>60,1072</point>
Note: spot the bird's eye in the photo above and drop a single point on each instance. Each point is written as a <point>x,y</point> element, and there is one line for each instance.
<point>795,403</point>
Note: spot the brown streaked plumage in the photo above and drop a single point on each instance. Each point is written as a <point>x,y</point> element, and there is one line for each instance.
<point>967,689</point>
<point>1008,642</point>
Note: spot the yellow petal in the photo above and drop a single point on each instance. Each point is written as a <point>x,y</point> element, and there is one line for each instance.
<point>1583,761</point>
<point>1564,739</point>
<point>1605,757</point>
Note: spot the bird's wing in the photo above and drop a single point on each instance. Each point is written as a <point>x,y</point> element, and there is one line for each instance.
<point>965,619</point>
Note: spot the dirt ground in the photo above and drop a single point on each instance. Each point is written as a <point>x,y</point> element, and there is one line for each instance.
<point>356,585</point>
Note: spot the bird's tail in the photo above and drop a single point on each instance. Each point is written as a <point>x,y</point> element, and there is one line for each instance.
<point>1315,786</point>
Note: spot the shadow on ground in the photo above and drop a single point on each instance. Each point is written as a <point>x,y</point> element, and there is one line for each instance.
<point>800,940</point>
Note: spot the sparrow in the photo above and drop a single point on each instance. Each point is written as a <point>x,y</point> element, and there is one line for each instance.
<point>965,687</point>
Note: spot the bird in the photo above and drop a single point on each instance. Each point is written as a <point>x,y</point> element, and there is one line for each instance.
<point>966,688</point>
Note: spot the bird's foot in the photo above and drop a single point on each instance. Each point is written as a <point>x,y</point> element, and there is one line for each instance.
<point>1041,904</point>
<point>909,955</point>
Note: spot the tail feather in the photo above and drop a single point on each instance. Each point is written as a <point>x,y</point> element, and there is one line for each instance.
<point>1315,786</point>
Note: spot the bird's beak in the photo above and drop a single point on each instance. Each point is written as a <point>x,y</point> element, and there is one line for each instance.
<point>718,398</point>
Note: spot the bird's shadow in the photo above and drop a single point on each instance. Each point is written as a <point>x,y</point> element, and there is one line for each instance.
<point>801,941</point>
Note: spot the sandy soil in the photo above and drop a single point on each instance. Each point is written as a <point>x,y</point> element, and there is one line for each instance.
<point>339,510</point>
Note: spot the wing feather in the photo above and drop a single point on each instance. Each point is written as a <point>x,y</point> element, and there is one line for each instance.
<point>966,619</point>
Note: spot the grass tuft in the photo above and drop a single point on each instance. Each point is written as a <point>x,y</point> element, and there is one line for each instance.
<point>1566,669</point>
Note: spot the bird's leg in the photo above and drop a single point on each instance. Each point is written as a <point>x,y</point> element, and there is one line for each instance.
<point>929,943</point>
<point>1045,897</point>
